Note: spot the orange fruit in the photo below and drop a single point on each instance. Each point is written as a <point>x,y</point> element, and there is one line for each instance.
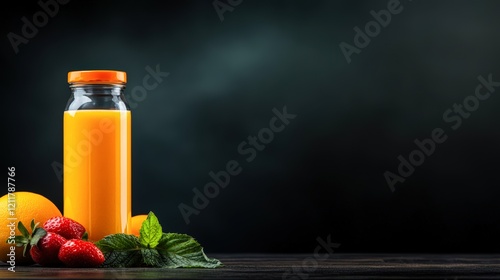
<point>28,206</point>
<point>136,223</point>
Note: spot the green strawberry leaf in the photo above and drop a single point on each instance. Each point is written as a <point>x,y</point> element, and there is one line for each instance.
<point>182,250</point>
<point>33,225</point>
<point>150,232</point>
<point>37,235</point>
<point>21,240</point>
<point>23,229</point>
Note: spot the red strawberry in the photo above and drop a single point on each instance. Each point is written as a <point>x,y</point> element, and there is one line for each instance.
<point>45,251</point>
<point>65,227</point>
<point>80,253</point>
<point>44,245</point>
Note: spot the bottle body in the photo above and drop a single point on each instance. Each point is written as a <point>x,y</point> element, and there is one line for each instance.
<point>97,159</point>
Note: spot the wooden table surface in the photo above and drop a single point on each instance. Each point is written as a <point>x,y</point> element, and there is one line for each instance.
<point>258,266</point>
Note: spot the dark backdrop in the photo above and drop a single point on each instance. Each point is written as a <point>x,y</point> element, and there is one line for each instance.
<point>324,173</point>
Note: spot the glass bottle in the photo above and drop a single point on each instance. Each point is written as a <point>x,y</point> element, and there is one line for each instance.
<point>97,152</point>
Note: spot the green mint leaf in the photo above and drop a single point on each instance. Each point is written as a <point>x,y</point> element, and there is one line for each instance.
<point>120,250</point>
<point>23,229</point>
<point>150,232</point>
<point>154,248</point>
<point>122,259</point>
<point>182,250</point>
<point>118,242</point>
<point>151,257</point>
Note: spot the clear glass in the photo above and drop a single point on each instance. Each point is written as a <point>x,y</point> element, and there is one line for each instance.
<point>97,159</point>
<point>97,96</point>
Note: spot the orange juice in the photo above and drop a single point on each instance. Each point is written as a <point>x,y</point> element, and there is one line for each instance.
<point>97,165</point>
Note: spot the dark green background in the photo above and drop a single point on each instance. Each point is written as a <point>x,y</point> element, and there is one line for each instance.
<point>323,174</point>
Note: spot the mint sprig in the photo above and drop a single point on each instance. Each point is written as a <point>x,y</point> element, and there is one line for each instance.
<point>154,248</point>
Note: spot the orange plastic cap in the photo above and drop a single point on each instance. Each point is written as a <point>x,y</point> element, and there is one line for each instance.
<point>97,77</point>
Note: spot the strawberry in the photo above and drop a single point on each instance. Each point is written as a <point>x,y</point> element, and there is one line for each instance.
<point>45,251</point>
<point>80,253</point>
<point>66,227</point>
<point>44,245</point>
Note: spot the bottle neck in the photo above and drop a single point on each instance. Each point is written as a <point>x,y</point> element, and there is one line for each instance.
<point>97,97</point>
<point>96,89</point>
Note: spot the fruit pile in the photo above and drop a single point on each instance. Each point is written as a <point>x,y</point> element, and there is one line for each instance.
<point>60,241</point>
